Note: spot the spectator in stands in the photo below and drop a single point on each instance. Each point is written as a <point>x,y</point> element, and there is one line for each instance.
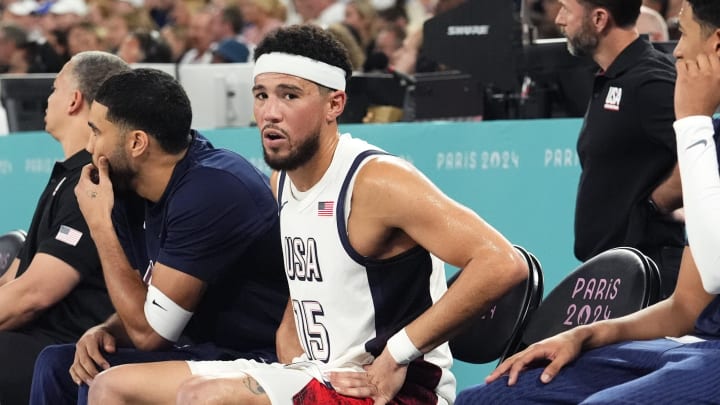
<point>228,23</point>
<point>161,10</point>
<point>227,31</point>
<point>671,17</point>
<point>320,12</point>
<point>344,34</point>
<point>396,15</point>
<point>20,54</point>
<point>200,38</point>
<point>57,40</point>
<point>652,24</point>
<point>361,15</point>
<point>629,184</point>
<point>261,17</point>
<point>176,38</point>
<point>117,26</point>
<point>675,360</point>
<point>188,237</point>
<point>83,37</point>
<point>181,13</point>
<point>21,14</point>
<point>405,59</point>
<point>145,47</point>
<point>54,290</point>
<point>13,40</point>
<point>661,6</point>
<point>67,13</point>
<point>124,7</point>
<point>230,51</point>
<point>389,39</point>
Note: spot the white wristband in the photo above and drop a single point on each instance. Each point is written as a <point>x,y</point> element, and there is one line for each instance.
<point>402,349</point>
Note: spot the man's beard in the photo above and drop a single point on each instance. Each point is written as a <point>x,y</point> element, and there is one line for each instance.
<point>122,178</point>
<point>585,42</point>
<point>297,157</point>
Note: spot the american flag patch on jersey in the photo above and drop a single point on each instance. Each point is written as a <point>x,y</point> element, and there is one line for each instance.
<point>69,235</point>
<point>325,208</point>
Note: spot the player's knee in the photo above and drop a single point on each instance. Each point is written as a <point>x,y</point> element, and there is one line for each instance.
<point>220,391</point>
<point>194,389</point>
<point>106,389</point>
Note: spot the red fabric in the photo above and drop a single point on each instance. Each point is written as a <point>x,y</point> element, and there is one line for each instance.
<point>419,389</point>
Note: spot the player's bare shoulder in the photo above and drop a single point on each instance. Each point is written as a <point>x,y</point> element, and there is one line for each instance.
<point>388,183</point>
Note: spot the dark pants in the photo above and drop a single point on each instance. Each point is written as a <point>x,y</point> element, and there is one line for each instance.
<point>18,352</point>
<point>52,385</point>
<point>658,371</point>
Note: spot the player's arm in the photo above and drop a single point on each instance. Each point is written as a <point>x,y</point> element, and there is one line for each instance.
<point>287,343</point>
<point>696,99</point>
<point>152,315</point>
<point>394,198</point>
<point>656,114</point>
<point>10,273</point>
<point>395,195</point>
<point>45,282</point>
<point>667,196</point>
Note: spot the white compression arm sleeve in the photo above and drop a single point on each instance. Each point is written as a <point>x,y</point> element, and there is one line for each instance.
<point>698,162</point>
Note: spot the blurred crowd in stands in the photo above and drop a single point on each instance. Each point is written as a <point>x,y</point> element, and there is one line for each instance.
<point>40,36</point>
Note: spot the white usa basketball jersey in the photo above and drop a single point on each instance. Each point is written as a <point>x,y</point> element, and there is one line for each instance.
<point>347,305</point>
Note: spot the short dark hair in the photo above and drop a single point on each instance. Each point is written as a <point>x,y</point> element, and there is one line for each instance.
<point>152,101</point>
<point>309,41</point>
<point>15,34</point>
<point>153,46</point>
<point>232,15</point>
<point>706,13</point>
<point>92,68</point>
<point>624,12</point>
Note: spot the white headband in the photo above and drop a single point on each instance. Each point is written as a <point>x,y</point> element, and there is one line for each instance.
<point>310,69</point>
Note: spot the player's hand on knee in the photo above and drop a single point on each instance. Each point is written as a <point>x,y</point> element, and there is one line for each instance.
<point>352,383</point>
<point>559,350</point>
<point>88,354</point>
<point>381,380</point>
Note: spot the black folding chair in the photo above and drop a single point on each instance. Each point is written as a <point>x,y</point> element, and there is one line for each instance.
<point>612,284</point>
<point>488,336</point>
<point>10,245</point>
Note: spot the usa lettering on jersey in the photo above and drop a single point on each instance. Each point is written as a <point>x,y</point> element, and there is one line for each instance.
<point>301,259</point>
<point>612,101</point>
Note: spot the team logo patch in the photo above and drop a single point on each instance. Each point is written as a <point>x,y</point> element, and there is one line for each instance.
<point>325,208</point>
<point>612,101</point>
<point>69,235</point>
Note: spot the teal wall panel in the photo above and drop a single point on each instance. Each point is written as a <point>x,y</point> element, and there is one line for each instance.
<point>520,176</point>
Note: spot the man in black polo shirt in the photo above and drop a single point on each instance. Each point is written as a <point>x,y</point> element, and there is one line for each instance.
<point>54,291</point>
<point>630,184</point>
